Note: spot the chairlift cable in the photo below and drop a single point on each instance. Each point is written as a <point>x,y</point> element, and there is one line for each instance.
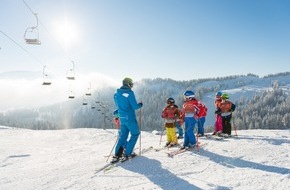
<point>35,27</point>
<point>44,74</point>
<point>22,47</point>
<point>38,20</point>
<point>60,46</point>
<point>28,7</point>
<point>39,61</point>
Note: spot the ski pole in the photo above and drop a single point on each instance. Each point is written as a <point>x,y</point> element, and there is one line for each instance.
<point>197,145</point>
<point>161,134</point>
<point>140,122</point>
<point>113,147</point>
<point>235,128</point>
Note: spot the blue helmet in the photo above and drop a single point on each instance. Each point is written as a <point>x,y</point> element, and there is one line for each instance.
<point>219,93</point>
<point>188,94</point>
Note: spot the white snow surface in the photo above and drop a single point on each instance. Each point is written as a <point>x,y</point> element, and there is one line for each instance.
<point>68,159</point>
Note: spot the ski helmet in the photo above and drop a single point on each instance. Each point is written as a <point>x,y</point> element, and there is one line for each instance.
<point>225,96</point>
<point>188,94</point>
<point>128,82</point>
<point>170,101</point>
<point>219,93</point>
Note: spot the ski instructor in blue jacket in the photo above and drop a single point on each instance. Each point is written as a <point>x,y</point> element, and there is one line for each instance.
<point>126,104</point>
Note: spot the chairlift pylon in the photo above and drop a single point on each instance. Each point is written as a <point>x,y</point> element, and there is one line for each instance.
<point>70,75</point>
<point>31,34</point>
<point>46,77</point>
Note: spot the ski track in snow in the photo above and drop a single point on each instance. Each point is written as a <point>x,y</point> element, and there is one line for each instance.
<point>68,159</point>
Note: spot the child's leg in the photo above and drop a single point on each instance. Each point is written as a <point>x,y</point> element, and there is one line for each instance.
<point>219,123</point>
<point>168,138</point>
<point>172,134</point>
<point>200,125</point>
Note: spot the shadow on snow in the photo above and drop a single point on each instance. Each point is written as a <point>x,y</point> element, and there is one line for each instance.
<point>238,162</point>
<point>153,170</point>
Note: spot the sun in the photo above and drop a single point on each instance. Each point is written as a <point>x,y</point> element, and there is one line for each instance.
<point>66,32</point>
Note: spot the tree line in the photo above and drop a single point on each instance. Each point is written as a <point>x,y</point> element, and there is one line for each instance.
<point>265,110</point>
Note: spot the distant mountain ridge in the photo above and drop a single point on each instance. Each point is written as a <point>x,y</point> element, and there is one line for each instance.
<point>153,93</point>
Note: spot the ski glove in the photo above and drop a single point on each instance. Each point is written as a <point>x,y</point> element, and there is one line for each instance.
<point>218,111</point>
<point>141,104</point>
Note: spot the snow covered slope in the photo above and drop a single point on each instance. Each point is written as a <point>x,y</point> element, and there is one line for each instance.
<point>68,159</point>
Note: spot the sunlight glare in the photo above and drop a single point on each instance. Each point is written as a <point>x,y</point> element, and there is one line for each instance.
<point>66,32</point>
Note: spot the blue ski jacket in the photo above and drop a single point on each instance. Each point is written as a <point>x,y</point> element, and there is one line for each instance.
<point>126,102</point>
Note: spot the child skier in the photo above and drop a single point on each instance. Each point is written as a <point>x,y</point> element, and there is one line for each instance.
<point>218,126</point>
<point>117,124</point>
<point>170,113</point>
<point>201,118</point>
<point>116,120</point>
<point>189,112</point>
<point>225,110</point>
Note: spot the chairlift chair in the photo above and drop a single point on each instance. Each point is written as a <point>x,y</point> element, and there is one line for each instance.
<point>71,95</point>
<point>85,102</point>
<point>70,75</point>
<point>46,78</point>
<point>93,106</point>
<point>88,91</point>
<point>31,34</point>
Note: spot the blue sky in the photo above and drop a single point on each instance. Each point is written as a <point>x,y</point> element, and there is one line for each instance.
<point>182,40</point>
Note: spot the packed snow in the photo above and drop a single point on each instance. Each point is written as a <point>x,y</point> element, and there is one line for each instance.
<point>68,159</point>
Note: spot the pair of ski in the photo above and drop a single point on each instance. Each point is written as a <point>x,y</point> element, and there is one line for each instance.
<point>166,148</point>
<point>215,137</point>
<point>111,165</point>
<point>180,151</point>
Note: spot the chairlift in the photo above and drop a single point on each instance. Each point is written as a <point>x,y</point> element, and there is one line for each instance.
<point>71,95</point>
<point>46,78</point>
<point>70,75</point>
<point>31,34</point>
<point>85,102</point>
<point>88,91</point>
<point>93,106</point>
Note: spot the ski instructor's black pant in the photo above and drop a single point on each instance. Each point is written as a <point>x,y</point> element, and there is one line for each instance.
<point>227,127</point>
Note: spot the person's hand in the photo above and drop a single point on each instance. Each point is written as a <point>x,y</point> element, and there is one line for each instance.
<point>140,104</point>
<point>218,111</point>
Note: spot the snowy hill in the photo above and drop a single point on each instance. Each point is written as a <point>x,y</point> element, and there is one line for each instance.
<point>24,97</point>
<point>68,159</point>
